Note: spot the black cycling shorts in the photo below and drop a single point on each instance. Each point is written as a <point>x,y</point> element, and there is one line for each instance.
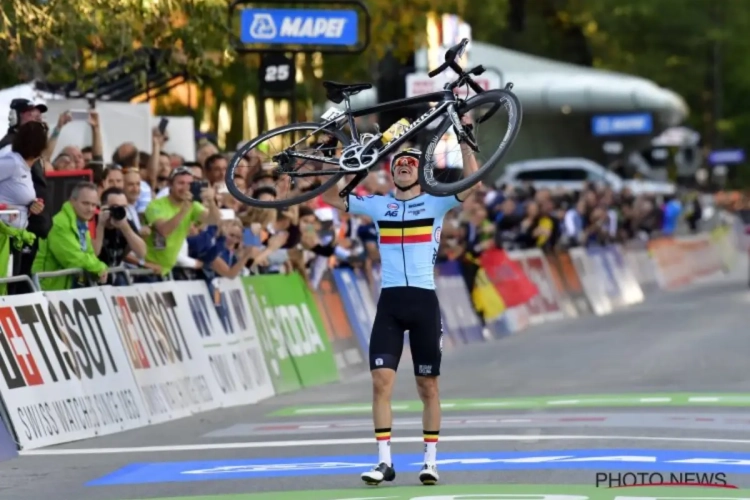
<point>416,310</point>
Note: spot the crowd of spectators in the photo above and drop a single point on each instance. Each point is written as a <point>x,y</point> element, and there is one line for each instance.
<point>175,219</point>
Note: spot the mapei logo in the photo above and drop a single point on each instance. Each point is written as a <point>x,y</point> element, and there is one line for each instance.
<point>438,232</point>
<point>263,27</point>
<point>392,206</point>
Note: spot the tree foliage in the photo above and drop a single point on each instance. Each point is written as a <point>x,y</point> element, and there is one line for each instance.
<point>63,39</point>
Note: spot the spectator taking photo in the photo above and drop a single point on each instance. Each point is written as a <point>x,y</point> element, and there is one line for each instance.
<point>116,236</point>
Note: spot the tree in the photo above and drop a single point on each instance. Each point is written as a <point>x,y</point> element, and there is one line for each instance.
<point>62,40</point>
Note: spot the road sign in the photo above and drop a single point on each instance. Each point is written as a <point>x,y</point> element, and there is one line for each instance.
<point>726,156</point>
<point>625,124</point>
<point>299,27</point>
<point>277,74</point>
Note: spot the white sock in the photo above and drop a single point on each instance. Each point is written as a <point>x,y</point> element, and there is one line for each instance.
<point>383,437</point>
<point>430,447</point>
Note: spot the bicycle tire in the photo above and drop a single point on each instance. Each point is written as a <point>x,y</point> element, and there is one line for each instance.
<point>426,173</point>
<point>241,152</point>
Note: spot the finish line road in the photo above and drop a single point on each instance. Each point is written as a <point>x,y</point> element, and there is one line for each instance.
<point>661,387</point>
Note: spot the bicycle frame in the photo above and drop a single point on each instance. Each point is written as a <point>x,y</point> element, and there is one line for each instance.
<point>445,98</point>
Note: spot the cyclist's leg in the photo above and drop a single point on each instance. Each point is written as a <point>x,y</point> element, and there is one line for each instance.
<point>386,346</point>
<point>426,342</point>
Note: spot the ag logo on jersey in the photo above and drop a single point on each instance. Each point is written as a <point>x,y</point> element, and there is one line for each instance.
<point>263,27</point>
<point>438,232</point>
<point>392,210</point>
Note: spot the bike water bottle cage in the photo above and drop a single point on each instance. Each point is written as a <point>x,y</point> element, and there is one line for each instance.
<point>408,157</point>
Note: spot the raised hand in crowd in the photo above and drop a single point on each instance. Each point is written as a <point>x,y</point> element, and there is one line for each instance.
<point>103,277</point>
<point>93,120</point>
<point>37,206</point>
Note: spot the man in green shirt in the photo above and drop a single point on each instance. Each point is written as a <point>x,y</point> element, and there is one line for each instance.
<point>171,217</point>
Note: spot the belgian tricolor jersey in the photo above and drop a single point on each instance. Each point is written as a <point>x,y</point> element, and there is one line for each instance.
<point>408,235</point>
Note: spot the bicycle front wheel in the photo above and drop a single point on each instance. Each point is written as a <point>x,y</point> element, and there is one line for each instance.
<point>295,163</point>
<point>495,114</point>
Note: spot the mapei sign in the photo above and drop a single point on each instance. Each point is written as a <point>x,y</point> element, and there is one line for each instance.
<point>299,27</point>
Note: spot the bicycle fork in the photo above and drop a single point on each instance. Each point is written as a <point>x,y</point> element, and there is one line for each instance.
<point>463,132</point>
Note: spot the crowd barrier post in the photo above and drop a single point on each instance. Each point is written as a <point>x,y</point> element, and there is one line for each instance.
<point>75,271</point>
<point>20,279</point>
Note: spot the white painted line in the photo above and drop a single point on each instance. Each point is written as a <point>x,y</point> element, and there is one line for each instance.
<point>359,441</point>
<point>655,400</point>
<point>564,402</point>
<point>703,400</point>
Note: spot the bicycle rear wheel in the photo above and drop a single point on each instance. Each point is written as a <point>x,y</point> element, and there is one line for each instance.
<point>442,153</point>
<point>310,177</point>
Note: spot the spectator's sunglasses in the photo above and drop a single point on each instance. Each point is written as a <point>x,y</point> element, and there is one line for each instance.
<point>179,171</point>
<point>406,161</point>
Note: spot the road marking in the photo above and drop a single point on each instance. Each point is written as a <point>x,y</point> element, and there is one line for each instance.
<point>359,441</point>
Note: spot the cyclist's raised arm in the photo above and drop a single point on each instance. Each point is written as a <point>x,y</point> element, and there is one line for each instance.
<point>354,204</point>
<point>470,163</point>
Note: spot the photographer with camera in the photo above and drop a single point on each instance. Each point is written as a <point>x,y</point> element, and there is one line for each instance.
<point>171,217</point>
<point>116,236</point>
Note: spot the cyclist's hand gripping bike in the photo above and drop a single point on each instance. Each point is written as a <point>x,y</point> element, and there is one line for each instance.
<point>325,153</point>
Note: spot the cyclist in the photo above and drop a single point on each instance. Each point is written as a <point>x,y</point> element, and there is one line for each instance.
<point>409,226</point>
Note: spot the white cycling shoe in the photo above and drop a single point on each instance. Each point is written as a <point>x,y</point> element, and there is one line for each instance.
<point>429,474</point>
<point>378,474</point>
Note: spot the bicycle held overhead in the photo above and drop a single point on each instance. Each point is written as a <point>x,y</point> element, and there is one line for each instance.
<point>333,148</point>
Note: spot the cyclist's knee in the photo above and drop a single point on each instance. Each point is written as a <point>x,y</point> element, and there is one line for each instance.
<point>427,387</point>
<point>382,382</point>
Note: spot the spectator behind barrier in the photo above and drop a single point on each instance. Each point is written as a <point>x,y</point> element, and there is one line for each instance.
<point>68,244</point>
<point>116,236</point>
<point>16,185</point>
<point>170,219</point>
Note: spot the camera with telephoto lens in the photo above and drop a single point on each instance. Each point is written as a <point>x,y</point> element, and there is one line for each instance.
<point>117,212</point>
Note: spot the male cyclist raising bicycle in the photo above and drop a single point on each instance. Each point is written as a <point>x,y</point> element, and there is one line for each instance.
<point>408,227</point>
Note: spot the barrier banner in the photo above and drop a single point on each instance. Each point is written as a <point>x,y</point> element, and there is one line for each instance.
<point>170,368</point>
<point>291,317</point>
<point>721,237</point>
<point>508,277</point>
<point>592,280</point>
<point>368,299</point>
<point>281,368</point>
<point>639,262</point>
<point>461,322</point>
<point>354,304</point>
<point>562,263</point>
<point>566,303</point>
<point>598,258</point>
<point>673,270</point>
<point>703,258</point>
<point>346,349</point>
<point>65,376</point>
<point>631,290</point>
<point>233,350</point>
<point>545,305</point>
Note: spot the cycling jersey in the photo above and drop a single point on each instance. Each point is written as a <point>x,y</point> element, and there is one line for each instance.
<point>408,235</point>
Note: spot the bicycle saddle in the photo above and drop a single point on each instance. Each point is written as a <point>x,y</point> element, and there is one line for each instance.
<point>336,91</point>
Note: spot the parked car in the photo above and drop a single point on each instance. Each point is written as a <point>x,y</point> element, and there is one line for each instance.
<point>573,173</point>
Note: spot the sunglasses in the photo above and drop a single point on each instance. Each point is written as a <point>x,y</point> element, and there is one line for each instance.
<point>407,161</point>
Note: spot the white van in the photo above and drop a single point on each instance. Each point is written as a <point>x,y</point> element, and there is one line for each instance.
<point>572,173</point>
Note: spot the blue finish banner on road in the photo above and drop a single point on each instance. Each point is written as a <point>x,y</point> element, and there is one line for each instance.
<point>627,124</point>
<point>299,27</point>
<point>726,156</point>
<point>8,447</point>
<point>354,305</point>
<point>630,460</point>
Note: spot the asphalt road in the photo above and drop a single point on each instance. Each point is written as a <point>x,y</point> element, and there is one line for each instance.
<point>690,341</point>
